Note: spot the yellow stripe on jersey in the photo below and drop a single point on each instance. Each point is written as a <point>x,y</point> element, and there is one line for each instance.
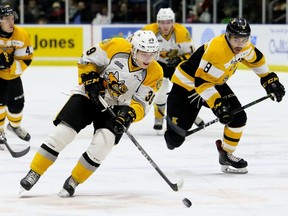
<point>181,78</point>
<point>261,70</point>
<point>209,93</point>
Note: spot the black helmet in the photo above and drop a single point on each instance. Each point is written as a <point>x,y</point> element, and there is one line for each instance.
<point>7,10</point>
<point>238,27</point>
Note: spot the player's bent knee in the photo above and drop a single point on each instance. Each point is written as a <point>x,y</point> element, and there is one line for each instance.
<point>60,137</point>
<point>173,140</point>
<point>101,145</point>
<point>239,120</point>
<point>15,109</point>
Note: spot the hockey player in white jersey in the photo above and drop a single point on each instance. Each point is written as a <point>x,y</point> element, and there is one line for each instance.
<point>175,45</point>
<point>126,74</point>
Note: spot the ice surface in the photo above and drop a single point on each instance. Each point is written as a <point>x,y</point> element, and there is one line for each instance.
<point>127,184</point>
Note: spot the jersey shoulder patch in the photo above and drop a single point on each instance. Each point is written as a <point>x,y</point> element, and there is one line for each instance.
<point>182,34</point>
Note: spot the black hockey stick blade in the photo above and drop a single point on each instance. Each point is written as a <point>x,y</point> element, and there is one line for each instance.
<point>17,154</point>
<point>185,133</point>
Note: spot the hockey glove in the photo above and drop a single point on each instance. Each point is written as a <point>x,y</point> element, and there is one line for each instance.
<point>125,116</point>
<point>94,87</point>
<point>6,60</point>
<point>222,111</point>
<point>173,62</point>
<point>273,86</point>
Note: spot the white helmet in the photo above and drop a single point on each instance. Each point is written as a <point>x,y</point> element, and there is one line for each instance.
<point>144,40</point>
<point>165,14</point>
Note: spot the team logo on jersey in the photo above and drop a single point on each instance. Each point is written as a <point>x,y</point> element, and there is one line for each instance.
<point>115,86</point>
<point>174,120</point>
<point>172,53</point>
<point>159,84</point>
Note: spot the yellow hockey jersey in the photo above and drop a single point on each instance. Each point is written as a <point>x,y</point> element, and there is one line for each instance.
<point>19,44</point>
<point>213,64</point>
<point>125,83</point>
<point>177,44</point>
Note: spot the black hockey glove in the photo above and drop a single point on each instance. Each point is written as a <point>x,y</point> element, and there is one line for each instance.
<point>6,60</point>
<point>173,62</point>
<point>125,116</point>
<point>222,111</point>
<point>273,86</point>
<point>94,87</point>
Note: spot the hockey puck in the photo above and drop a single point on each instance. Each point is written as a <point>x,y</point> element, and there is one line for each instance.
<point>187,202</point>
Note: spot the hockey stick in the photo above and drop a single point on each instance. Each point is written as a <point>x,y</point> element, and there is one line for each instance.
<point>198,121</point>
<point>185,133</point>
<point>174,186</point>
<point>17,154</point>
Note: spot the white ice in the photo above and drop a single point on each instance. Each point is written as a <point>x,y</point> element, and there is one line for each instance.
<point>127,184</point>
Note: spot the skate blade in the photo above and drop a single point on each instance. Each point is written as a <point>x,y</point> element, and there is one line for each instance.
<point>21,191</point>
<point>64,193</point>
<point>159,132</point>
<point>232,170</point>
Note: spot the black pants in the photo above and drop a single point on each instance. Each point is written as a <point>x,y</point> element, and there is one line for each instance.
<point>79,112</point>
<point>12,94</point>
<point>183,108</point>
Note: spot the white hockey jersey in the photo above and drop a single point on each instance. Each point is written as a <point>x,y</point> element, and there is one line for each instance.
<point>125,83</point>
<point>177,44</point>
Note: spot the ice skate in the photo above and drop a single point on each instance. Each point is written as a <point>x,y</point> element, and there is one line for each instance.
<point>68,189</point>
<point>229,162</point>
<point>158,124</point>
<point>29,180</point>
<point>20,132</point>
<point>159,111</point>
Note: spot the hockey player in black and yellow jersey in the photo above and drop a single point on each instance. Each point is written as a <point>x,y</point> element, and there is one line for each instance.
<point>123,72</point>
<point>201,80</point>
<point>175,45</point>
<point>16,55</point>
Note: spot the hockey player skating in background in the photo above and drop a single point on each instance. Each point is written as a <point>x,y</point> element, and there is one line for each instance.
<point>126,74</point>
<point>175,45</point>
<point>16,55</point>
<point>201,80</point>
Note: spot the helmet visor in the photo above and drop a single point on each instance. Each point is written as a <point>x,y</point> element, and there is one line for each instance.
<point>146,56</point>
<point>238,41</point>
